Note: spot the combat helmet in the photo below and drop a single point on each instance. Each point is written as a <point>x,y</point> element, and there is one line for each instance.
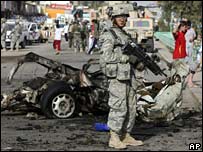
<point>119,10</point>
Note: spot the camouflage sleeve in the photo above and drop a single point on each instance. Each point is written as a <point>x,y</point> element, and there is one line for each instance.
<point>3,28</point>
<point>107,49</point>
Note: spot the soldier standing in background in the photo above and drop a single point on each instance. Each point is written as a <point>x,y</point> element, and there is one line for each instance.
<point>3,33</point>
<point>84,35</point>
<point>15,38</point>
<point>120,71</point>
<point>77,42</point>
<point>70,34</point>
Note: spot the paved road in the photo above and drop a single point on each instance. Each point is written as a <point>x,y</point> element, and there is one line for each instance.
<point>20,133</point>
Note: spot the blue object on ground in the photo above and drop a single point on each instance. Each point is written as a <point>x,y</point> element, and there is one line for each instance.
<point>101,127</point>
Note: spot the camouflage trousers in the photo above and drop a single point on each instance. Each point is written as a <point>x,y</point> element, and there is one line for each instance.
<point>70,39</point>
<point>84,44</point>
<point>122,102</point>
<point>15,41</point>
<point>77,42</point>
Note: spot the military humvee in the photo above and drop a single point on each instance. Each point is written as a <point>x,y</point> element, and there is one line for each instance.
<point>140,25</point>
<point>141,30</point>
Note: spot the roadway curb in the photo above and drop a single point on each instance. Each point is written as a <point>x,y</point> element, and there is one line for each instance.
<point>13,53</point>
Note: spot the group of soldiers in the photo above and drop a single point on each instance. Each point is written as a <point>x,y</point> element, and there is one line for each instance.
<point>78,35</point>
<point>16,33</point>
<point>83,37</point>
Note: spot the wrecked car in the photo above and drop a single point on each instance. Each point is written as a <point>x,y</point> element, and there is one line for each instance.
<point>65,91</point>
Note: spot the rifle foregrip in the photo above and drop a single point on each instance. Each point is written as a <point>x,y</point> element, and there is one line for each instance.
<point>133,49</point>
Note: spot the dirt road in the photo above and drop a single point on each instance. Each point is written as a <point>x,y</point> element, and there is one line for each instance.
<point>21,133</point>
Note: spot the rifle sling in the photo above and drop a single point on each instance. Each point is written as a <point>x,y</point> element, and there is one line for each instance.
<point>115,37</point>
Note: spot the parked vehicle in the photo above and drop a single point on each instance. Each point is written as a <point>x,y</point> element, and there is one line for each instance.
<point>141,30</point>
<point>65,91</point>
<point>140,24</point>
<point>45,34</point>
<point>23,37</point>
<point>31,32</point>
<point>34,32</point>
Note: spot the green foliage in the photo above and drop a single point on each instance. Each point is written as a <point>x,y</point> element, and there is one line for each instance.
<point>162,26</point>
<point>191,10</point>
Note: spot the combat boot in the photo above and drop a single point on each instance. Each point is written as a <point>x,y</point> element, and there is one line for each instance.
<point>4,49</point>
<point>115,141</point>
<point>81,50</point>
<point>129,140</point>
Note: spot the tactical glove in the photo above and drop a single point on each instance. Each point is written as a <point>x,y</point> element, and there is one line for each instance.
<point>124,59</point>
<point>133,59</point>
<point>155,58</point>
<point>140,66</point>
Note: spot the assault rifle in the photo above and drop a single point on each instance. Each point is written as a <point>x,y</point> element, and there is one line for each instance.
<point>135,50</point>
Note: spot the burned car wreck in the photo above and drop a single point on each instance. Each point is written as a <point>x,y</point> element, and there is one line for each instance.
<point>64,91</point>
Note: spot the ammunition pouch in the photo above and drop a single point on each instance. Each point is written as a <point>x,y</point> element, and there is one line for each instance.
<point>111,70</point>
<point>117,70</point>
<point>123,72</point>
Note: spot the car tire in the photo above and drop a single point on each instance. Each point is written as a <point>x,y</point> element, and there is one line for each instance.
<point>150,45</point>
<point>58,101</point>
<point>29,42</point>
<point>23,44</point>
<point>39,40</point>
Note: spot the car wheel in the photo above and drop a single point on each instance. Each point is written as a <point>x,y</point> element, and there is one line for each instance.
<point>38,40</point>
<point>29,42</point>
<point>23,44</point>
<point>150,45</point>
<point>58,101</point>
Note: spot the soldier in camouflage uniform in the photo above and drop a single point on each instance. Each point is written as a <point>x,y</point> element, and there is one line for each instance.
<point>84,35</point>
<point>121,74</point>
<point>77,41</point>
<point>70,34</point>
<point>16,33</point>
<point>3,33</point>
